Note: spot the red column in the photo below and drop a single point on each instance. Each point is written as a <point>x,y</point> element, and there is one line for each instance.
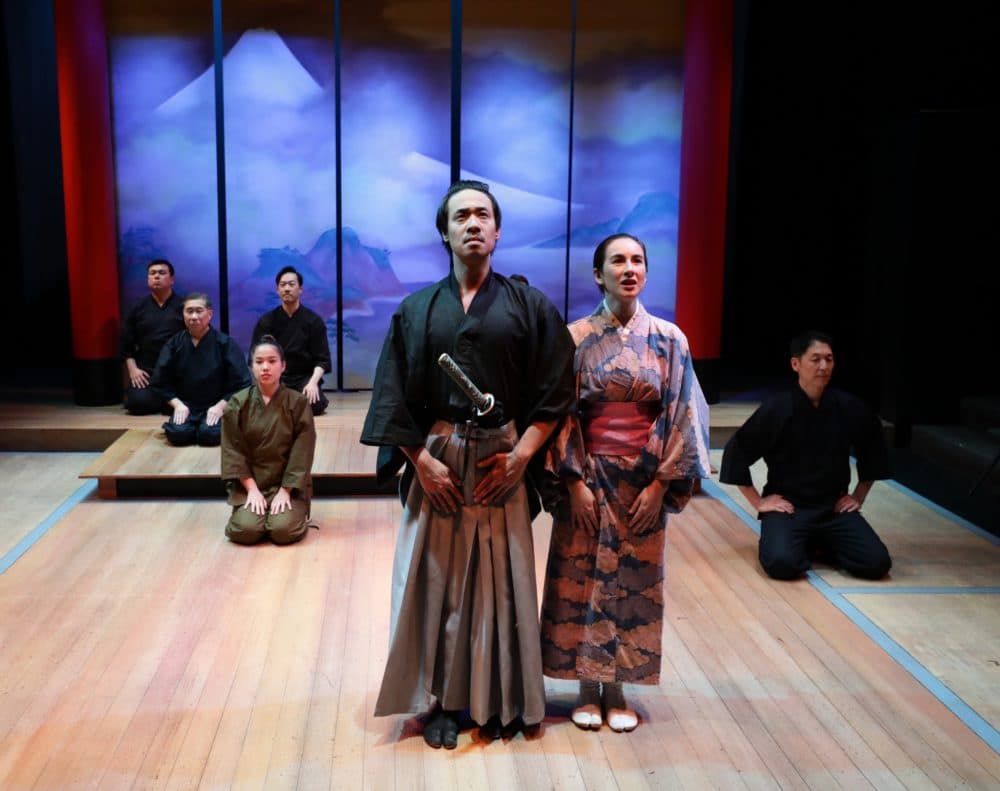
<point>88,187</point>
<point>701,236</point>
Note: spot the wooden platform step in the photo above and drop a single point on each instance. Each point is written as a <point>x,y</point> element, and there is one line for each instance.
<point>61,426</point>
<point>136,459</point>
<point>141,462</point>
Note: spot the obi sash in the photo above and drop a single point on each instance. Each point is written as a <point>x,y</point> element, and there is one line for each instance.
<point>618,428</point>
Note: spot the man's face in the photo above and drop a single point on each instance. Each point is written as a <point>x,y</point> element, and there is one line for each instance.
<point>815,367</point>
<point>289,289</point>
<point>197,317</point>
<point>159,279</point>
<point>472,228</point>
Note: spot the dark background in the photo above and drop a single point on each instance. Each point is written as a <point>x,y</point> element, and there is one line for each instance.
<point>863,198</point>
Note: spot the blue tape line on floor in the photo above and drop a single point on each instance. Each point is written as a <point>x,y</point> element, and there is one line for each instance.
<point>29,540</point>
<point>955,704</point>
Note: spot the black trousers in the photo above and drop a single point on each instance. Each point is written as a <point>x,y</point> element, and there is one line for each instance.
<point>788,542</point>
<point>297,383</point>
<point>194,431</point>
<point>144,401</point>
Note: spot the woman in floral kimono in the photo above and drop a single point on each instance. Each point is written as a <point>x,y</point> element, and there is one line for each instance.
<point>629,456</point>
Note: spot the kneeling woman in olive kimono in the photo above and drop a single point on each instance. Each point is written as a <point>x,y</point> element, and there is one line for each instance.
<point>268,440</point>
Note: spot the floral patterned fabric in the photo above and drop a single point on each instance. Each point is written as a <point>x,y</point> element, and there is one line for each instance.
<point>602,614</point>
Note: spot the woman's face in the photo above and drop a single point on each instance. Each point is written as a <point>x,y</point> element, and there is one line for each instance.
<point>623,273</point>
<point>267,366</point>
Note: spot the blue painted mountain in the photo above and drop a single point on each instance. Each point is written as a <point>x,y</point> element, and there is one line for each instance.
<point>655,214</point>
<point>367,271</point>
<point>654,217</point>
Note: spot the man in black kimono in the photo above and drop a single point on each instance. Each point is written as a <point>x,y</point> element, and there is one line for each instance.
<point>302,334</point>
<point>464,627</point>
<point>147,325</point>
<point>198,370</point>
<point>806,436</point>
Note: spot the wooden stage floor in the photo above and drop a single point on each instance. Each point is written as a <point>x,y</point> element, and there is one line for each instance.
<point>140,649</point>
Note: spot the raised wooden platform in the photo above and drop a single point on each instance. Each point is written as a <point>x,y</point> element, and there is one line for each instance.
<point>53,423</point>
<point>136,459</point>
<point>141,462</point>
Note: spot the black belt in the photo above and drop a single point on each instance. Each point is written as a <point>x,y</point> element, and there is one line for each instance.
<point>494,419</point>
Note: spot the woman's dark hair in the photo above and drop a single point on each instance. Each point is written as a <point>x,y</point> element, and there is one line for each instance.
<point>602,250</point>
<point>266,340</point>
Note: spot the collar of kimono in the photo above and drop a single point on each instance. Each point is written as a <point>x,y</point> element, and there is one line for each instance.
<point>613,319</point>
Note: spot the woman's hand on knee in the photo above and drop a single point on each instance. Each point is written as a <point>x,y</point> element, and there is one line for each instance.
<point>256,504</point>
<point>282,501</point>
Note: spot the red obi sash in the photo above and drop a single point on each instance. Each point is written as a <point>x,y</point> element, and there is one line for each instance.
<point>618,428</point>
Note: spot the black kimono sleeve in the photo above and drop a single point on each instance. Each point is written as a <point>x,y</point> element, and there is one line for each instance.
<point>237,375</point>
<point>548,389</point>
<point>394,419</point>
<point>751,442</point>
<point>164,378</point>
<point>319,345</point>
<point>868,442</point>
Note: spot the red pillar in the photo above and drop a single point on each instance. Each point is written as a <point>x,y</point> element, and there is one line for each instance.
<point>88,187</point>
<point>701,236</point>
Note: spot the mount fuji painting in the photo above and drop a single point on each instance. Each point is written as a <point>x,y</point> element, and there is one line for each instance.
<point>279,160</point>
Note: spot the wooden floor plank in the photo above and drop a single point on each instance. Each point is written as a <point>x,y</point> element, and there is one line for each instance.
<point>118,453</point>
<point>942,632</point>
<point>778,641</point>
<point>35,486</point>
<point>140,648</point>
<point>340,566</point>
<point>735,614</point>
<point>793,613</point>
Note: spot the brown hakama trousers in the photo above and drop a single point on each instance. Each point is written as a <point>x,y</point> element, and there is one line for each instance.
<point>464,627</point>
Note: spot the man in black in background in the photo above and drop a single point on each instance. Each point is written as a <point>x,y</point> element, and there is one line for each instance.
<point>805,436</point>
<point>302,334</point>
<point>198,370</point>
<point>147,325</point>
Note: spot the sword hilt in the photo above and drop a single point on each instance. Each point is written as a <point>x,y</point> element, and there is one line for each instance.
<point>484,402</point>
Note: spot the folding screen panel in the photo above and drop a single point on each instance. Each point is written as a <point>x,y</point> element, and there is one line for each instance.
<point>570,111</point>
<point>163,118</point>
<point>396,164</point>
<point>515,111</point>
<point>280,160</point>
<point>626,142</point>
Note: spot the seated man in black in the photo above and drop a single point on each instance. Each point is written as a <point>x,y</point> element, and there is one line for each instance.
<point>147,325</point>
<point>302,334</point>
<point>806,436</point>
<point>198,370</point>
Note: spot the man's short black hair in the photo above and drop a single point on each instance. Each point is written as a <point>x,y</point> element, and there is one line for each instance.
<point>198,295</point>
<point>466,184</point>
<point>160,262</point>
<point>801,342</point>
<point>285,270</point>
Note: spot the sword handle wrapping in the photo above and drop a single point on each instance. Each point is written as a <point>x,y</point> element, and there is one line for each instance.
<point>483,402</point>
